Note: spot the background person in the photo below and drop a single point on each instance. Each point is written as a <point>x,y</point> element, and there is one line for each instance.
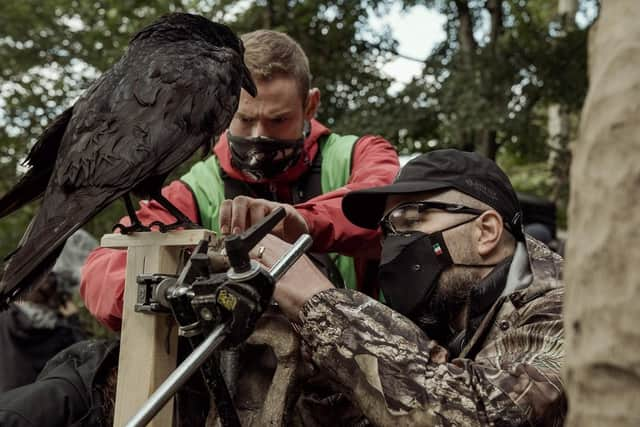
<point>45,321</point>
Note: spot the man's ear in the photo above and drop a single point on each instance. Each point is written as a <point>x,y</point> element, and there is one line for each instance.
<point>490,229</point>
<point>313,103</point>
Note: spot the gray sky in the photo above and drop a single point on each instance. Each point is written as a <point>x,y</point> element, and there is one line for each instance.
<point>417,31</point>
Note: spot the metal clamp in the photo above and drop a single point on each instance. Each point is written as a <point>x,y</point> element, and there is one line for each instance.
<point>151,293</point>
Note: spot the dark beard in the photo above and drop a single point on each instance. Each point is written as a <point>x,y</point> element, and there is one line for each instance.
<point>447,302</point>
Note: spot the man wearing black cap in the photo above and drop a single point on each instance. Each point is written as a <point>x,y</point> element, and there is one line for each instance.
<point>472,332</point>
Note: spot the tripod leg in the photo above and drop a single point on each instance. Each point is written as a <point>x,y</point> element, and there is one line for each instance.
<point>220,393</point>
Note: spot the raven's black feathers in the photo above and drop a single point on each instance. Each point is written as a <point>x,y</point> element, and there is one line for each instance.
<point>176,87</point>
<point>40,160</point>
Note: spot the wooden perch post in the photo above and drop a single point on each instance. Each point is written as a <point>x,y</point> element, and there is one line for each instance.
<point>148,342</point>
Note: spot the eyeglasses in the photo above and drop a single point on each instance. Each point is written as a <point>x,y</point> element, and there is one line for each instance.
<point>408,216</point>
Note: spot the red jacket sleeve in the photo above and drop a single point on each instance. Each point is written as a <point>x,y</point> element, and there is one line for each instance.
<point>102,279</point>
<point>374,163</point>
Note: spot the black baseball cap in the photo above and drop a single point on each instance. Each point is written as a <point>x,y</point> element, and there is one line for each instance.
<point>470,173</point>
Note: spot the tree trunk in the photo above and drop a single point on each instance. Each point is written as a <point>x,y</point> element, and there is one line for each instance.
<point>559,123</point>
<point>488,144</point>
<point>559,161</point>
<point>602,315</point>
<point>484,140</point>
<point>495,11</point>
<point>489,137</point>
<point>568,8</point>
<point>468,44</point>
<point>269,15</point>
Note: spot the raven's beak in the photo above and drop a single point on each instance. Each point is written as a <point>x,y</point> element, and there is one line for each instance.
<point>247,82</point>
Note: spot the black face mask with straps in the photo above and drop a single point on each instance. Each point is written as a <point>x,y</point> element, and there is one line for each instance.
<point>263,158</point>
<point>410,265</point>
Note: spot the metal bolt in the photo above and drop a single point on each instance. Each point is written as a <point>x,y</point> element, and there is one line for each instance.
<point>206,314</point>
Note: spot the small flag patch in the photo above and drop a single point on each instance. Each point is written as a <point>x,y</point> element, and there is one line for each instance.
<point>437,249</point>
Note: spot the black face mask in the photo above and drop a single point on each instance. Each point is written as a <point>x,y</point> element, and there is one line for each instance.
<point>263,158</point>
<point>410,266</point>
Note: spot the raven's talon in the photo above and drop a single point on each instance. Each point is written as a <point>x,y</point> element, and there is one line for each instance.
<point>161,226</point>
<point>124,229</point>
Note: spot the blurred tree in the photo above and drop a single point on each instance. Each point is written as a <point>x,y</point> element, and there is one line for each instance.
<point>67,43</point>
<point>487,83</point>
<point>486,87</point>
<point>345,54</point>
<point>562,121</point>
<point>51,50</point>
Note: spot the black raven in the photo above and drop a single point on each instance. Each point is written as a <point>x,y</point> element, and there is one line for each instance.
<point>176,87</point>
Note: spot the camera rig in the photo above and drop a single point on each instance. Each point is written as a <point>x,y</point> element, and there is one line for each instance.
<point>213,309</point>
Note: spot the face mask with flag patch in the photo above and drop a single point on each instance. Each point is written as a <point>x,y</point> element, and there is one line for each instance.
<point>410,266</point>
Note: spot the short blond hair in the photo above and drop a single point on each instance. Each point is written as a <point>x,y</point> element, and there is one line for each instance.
<point>270,54</point>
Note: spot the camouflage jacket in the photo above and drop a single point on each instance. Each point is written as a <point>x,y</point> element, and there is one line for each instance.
<point>508,374</point>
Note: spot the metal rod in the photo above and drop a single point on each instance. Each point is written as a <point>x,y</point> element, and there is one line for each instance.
<point>178,377</point>
<point>297,250</point>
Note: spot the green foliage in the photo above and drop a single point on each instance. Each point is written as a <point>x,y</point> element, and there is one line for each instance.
<point>502,82</point>
<point>344,53</point>
<point>496,92</point>
<point>488,88</point>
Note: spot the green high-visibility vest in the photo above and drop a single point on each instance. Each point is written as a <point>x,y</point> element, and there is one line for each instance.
<point>207,185</point>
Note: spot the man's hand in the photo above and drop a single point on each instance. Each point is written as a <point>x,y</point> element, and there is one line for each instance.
<point>299,284</point>
<point>242,212</point>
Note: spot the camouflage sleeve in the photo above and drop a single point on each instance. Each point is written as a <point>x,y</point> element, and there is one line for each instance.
<point>396,375</point>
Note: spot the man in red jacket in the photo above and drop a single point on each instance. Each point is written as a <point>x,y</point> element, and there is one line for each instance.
<point>274,154</point>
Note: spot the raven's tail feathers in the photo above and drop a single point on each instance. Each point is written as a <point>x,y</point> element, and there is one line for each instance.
<point>45,238</point>
<point>41,160</point>
<point>29,188</point>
